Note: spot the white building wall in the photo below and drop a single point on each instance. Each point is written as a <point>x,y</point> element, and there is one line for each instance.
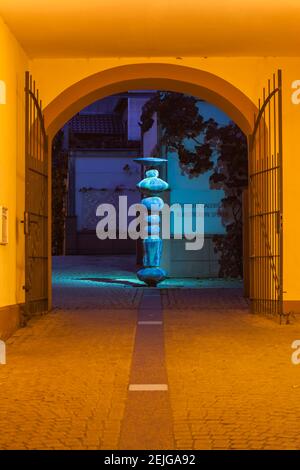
<point>100,179</point>
<point>150,139</point>
<point>135,105</point>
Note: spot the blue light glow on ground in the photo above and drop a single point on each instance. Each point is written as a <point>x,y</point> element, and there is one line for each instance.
<point>118,271</point>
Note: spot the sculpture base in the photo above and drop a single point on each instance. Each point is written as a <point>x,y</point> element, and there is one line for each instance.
<point>151,276</point>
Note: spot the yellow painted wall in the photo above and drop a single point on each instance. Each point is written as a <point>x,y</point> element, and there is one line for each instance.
<point>53,76</point>
<point>249,74</point>
<point>13,63</point>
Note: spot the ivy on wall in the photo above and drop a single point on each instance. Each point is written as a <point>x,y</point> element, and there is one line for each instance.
<point>181,124</point>
<point>59,193</point>
<point>231,175</point>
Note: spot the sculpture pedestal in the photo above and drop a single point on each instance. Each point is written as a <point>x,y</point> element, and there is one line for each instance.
<point>151,276</point>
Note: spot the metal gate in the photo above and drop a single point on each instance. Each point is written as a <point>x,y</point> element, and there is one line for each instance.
<point>265,202</point>
<point>36,203</point>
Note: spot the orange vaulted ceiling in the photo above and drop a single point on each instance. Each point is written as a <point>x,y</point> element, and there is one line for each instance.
<point>126,28</point>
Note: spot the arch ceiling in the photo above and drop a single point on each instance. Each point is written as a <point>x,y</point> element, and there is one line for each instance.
<point>157,28</point>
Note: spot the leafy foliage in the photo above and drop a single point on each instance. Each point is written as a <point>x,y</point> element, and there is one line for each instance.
<point>59,192</point>
<point>231,175</point>
<point>182,124</point>
<point>180,121</point>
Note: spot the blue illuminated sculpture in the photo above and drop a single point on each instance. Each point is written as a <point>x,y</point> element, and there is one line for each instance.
<point>151,186</point>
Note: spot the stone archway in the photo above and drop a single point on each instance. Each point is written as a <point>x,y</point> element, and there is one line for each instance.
<point>171,77</point>
<point>163,76</point>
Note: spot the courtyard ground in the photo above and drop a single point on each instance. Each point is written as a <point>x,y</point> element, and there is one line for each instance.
<point>117,366</point>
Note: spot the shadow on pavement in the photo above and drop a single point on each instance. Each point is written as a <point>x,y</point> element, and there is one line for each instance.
<point>112,281</point>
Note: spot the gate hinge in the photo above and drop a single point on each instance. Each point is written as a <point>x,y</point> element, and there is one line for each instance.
<point>26,223</point>
<point>279,221</point>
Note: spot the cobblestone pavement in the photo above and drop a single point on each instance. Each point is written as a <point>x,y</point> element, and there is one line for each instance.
<point>230,376</point>
<point>231,379</point>
<point>65,382</point>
